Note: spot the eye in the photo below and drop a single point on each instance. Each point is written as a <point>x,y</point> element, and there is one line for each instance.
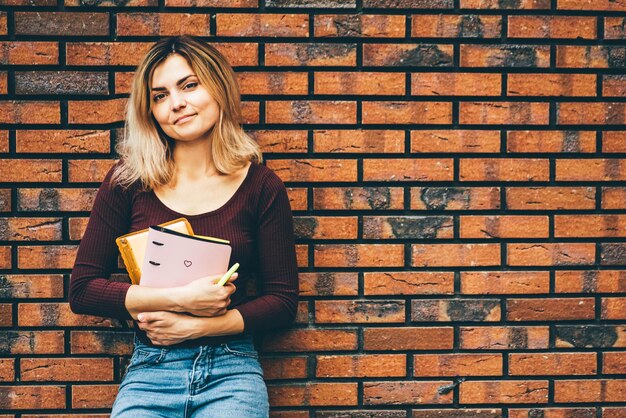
<point>191,85</point>
<point>158,97</point>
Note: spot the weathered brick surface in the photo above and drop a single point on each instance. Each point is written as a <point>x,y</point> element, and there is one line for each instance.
<point>455,171</point>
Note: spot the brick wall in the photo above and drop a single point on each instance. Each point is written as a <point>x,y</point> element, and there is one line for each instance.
<point>455,168</point>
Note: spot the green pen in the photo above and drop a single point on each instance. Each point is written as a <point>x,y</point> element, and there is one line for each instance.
<point>227,275</point>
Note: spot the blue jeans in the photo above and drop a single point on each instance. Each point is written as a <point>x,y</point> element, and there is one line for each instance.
<point>221,381</point>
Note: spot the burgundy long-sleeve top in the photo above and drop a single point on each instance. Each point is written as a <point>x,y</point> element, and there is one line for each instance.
<point>257,221</point>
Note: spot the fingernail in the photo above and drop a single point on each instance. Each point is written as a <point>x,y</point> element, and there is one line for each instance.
<point>140,317</point>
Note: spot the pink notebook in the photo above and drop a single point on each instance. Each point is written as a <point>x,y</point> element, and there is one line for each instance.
<point>175,259</point>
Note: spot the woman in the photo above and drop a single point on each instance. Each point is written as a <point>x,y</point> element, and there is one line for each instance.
<point>185,154</point>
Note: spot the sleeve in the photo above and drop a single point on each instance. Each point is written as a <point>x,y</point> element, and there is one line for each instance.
<point>278,270</point>
<point>91,290</point>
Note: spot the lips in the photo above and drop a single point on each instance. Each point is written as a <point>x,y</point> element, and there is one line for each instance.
<point>183,118</point>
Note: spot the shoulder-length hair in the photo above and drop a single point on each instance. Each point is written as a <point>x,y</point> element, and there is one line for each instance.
<point>146,151</point>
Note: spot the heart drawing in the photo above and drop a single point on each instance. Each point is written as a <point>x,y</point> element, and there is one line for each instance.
<point>187,263</point>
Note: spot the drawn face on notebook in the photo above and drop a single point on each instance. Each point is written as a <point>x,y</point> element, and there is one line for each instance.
<point>182,106</point>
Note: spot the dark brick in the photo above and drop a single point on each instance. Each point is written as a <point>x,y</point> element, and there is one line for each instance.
<point>339,4</point>
<point>61,23</point>
<point>613,253</point>
<point>585,336</point>
<point>409,4</point>
<point>61,82</point>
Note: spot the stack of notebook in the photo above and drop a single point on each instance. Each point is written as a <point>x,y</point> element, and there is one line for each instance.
<point>171,255</point>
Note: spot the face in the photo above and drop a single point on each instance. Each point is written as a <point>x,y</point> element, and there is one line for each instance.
<point>183,107</point>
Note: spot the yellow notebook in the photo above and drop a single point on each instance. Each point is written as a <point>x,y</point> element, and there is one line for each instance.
<point>133,246</point>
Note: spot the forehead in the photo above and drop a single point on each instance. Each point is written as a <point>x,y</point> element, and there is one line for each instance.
<point>170,71</point>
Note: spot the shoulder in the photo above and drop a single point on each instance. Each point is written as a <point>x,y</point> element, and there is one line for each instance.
<point>110,184</point>
<point>265,179</point>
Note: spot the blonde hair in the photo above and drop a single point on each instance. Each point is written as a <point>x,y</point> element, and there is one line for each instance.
<point>146,151</point>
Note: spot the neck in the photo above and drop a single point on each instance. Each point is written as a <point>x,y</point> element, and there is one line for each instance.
<point>193,160</point>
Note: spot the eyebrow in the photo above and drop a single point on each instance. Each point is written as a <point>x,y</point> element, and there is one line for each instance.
<point>178,83</point>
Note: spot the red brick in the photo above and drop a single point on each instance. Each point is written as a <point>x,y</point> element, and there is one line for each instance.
<point>613,308</point>
<point>89,171</point>
<point>7,370</point>
<point>551,141</point>
<point>358,141</point>
<point>302,313</point>
<point>599,390</point>
<point>462,141</point>
<point>552,27</point>
<point>617,412</point>
<point>409,4</point>
<point>49,257</point>
<point>112,3</point>
<point>5,200</point>
<point>212,3</point>
<point>400,227</point>
<point>66,141</point>
<point>311,54</point>
<point>3,84</point>
<point>284,368</point>
<point>15,286</point>
<point>327,284</point>
<point>407,112</point>
<point>596,169</point>
<point>325,227</point>
<point>306,340</point>
<point>408,169</point>
<point>614,362</point>
<point>96,111</point>
<point>262,24</point>
<point>359,255</point>
<point>163,24</point>
<point>591,56</point>
<point>4,135</point>
<point>123,82</point>
<point>448,255</point>
<point>504,226</point>
<point>504,392</point>
<point>550,198</point>
<point>105,53</point>
<point>456,84</point>
<point>407,55</point>
<point>3,24</point>
<point>504,169</point>
<point>456,413</point>
<point>302,255</point>
<point>497,4</point>
<point>30,229</point>
<point>61,23</point>
<point>250,112</point>
<point>29,53</point>
<point>446,310</point>
<point>358,311</point>
<point>551,85</point>
<point>589,226</point>
<point>505,282</point>
<point>101,342</point>
<point>310,170</point>
<point>613,198</point>
<point>508,56</point>
<point>93,396</point>
<point>614,85</point>
<point>357,25</point>
<point>66,369</point>
<point>362,198</point>
<point>313,394</point>
<point>32,397</point>
<point>614,141</point>
<point>550,254</point>
<point>273,83</point>
<point>604,5</point>
<point>591,113</point>
<point>5,257</point>
<point>456,26</point>
<point>504,113</point>
<point>297,198</point>
<point>408,283</point>
<point>30,170</point>
<point>6,315</point>
<point>558,364</point>
<point>28,2</point>
<point>31,342</point>
<point>32,112</point>
<point>408,338</point>
<point>553,413</point>
<point>57,315</point>
<point>311,112</point>
<point>553,309</point>
<point>406,393</point>
<point>51,199</point>
<point>601,281</point>
<point>455,198</point>
<point>365,365</point>
<point>439,365</point>
<point>503,338</point>
<point>614,27</point>
<point>359,83</point>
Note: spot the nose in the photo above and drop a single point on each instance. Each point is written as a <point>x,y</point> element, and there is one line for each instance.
<point>177,101</point>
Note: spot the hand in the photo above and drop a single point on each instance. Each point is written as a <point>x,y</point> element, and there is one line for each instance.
<point>168,328</point>
<point>203,297</point>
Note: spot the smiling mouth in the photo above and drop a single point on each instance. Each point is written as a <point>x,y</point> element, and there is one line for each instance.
<point>183,119</point>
